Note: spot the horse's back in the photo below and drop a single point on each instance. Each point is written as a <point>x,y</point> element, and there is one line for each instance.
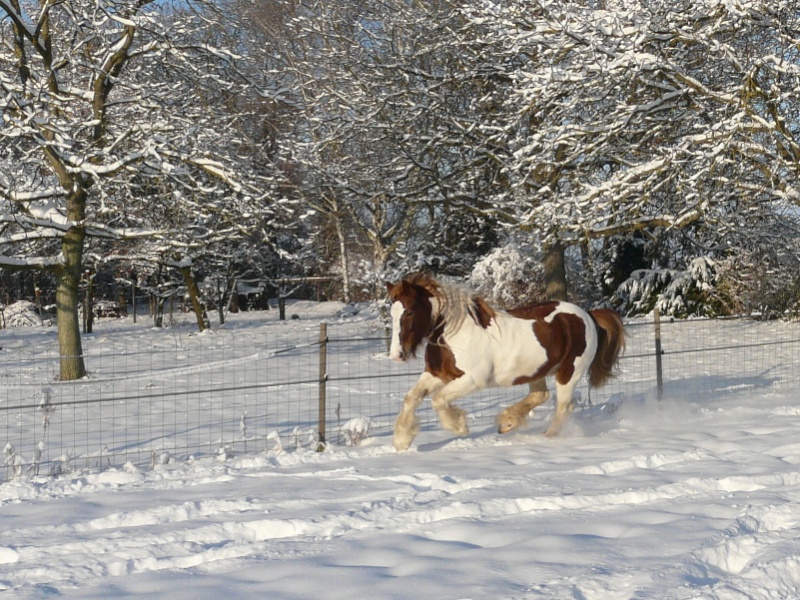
<point>533,312</point>
<point>546,311</point>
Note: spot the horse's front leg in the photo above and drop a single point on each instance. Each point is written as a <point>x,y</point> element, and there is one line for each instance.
<point>407,425</point>
<point>515,416</point>
<point>451,417</point>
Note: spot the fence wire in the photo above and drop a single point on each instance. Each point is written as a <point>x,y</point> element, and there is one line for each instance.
<point>157,396</point>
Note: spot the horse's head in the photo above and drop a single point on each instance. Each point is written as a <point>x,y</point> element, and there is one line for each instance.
<point>412,315</point>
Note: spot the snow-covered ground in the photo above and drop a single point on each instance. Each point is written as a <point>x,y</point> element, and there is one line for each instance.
<point>696,496</point>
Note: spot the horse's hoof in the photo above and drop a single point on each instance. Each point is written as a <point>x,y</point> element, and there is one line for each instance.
<point>401,445</point>
<point>507,424</point>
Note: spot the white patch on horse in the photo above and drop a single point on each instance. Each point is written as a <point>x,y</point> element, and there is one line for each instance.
<point>395,350</point>
<point>499,354</point>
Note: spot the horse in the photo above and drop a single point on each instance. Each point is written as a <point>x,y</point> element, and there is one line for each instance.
<point>471,346</point>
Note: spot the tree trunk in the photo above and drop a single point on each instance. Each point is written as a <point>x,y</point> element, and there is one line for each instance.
<point>225,299</point>
<point>67,300</point>
<point>381,255</point>
<point>233,299</point>
<point>157,307</point>
<point>194,297</point>
<point>221,304</point>
<point>344,260</point>
<point>123,304</point>
<point>156,300</point>
<point>555,272</point>
<point>88,304</point>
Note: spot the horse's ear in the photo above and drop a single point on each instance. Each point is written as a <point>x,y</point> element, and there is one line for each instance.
<point>389,287</point>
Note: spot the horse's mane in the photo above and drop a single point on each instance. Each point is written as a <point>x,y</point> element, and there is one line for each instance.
<point>455,302</point>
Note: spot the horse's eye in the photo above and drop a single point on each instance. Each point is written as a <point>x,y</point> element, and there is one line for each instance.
<point>409,314</point>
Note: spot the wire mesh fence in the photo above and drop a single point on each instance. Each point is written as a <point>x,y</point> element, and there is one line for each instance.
<point>160,397</point>
<point>156,396</point>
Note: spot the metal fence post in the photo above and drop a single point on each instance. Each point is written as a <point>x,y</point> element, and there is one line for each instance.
<point>659,352</point>
<point>323,378</point>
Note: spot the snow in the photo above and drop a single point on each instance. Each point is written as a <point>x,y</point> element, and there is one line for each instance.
<point>687,498</point>
<point>22,313</point>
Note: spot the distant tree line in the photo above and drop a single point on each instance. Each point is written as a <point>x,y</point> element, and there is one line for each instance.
<point>594,139</point>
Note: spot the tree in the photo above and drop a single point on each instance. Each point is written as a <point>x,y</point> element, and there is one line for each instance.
<point>384,144</point>
<point>109,108</point>
<point>668,119</point>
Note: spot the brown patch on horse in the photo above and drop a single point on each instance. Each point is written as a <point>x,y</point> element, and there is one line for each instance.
<point>574,331</point>
<point>534,312</point>
<point>481,312</point>
<point>440,360</point>
<point>417,321</point>
<point>424,281</point>
<point>563,339</point>
<point>527,379</point>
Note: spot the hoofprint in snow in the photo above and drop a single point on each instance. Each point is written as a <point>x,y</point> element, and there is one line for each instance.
<point>674,500</point>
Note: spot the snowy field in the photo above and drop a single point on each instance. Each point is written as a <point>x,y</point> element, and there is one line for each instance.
<point>696,496</point>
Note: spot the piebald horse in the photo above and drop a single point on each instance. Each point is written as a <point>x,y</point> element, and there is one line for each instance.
<point>471,346</point>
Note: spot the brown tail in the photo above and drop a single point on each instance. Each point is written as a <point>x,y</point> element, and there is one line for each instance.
<point>610,343</point>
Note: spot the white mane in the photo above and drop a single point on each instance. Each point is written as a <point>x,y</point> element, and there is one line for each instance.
<point>455,305</point>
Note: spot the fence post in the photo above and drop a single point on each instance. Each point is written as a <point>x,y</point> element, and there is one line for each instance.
<point>659,352</point>
<point>323,378</point>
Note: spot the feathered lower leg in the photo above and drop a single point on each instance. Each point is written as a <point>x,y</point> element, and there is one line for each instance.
<point>407,425</point>
<point>515,416</point>
<point>451,417</point>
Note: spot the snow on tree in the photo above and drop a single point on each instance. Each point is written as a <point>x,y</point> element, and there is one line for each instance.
<point>421,129</point>
<point>111,119</point>
<point>386,152</point>
<point>656,117</point>
<point>676,293</point>
<point>509,275</point>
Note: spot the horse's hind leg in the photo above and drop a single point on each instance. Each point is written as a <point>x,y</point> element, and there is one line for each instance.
<point>450,416</point>
<point>407,425</point>
<point>515,416</point>
<point>564,405</point>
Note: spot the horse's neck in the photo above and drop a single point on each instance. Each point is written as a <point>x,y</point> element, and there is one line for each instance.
<point>453,311</point>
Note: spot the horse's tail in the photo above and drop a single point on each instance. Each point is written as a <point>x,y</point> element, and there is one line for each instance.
<point>610,343</point>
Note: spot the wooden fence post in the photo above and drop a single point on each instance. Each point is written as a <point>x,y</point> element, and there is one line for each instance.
<point>323,378</point>
<point>659,352</point>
